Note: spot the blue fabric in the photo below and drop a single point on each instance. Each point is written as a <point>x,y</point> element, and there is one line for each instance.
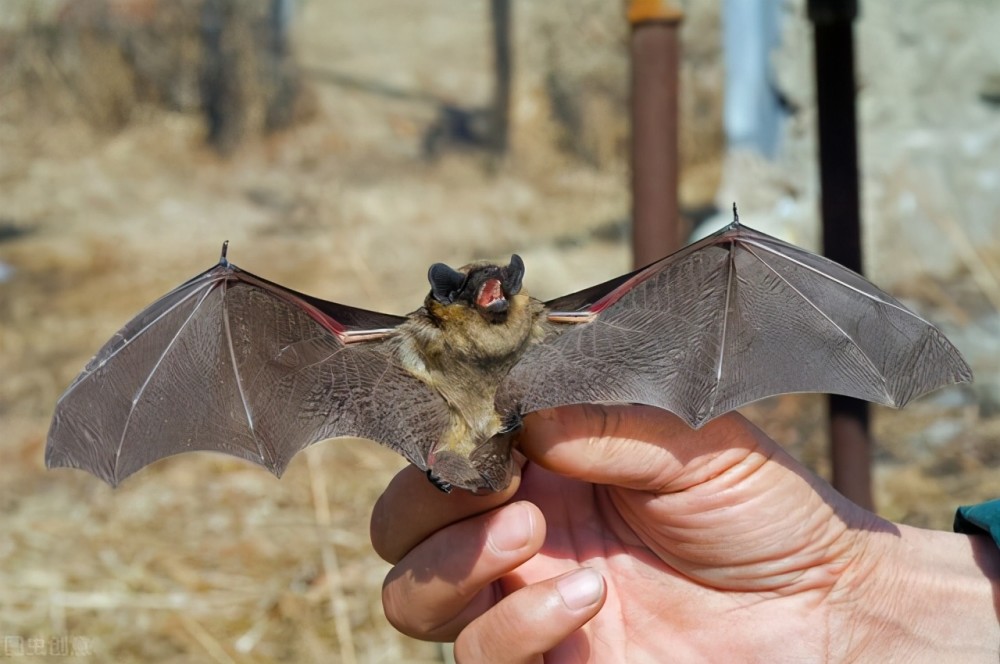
<point>980,519</point>
<point>753,112</point>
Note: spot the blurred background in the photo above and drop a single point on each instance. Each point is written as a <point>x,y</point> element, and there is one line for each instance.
<point>342,147</point>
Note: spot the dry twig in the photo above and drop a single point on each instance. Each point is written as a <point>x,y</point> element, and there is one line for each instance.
<point>331,565</point>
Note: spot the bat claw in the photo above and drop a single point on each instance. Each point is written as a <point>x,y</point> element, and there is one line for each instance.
<point>438,482</point>
<point>511,423</point>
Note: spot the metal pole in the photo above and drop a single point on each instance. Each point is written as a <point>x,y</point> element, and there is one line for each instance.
<point>655,56</point>
<point>833,33</point>
<point>500,15</point>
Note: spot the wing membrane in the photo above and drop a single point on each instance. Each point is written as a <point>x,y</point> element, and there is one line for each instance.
<point>729,320</point>
<point>233,363</point>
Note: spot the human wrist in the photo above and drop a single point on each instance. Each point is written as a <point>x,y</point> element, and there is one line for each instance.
<point>922,595</point>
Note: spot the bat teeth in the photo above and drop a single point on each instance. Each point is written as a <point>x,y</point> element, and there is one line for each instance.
<point>490,294</point>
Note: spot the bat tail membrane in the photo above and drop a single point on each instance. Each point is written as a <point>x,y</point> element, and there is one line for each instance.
<point>734,318</point>
<point>488,468</point>
<point>232,363</point>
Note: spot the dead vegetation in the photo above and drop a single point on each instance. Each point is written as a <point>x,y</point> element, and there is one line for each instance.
<point>113,199</point>
<point>107,63</point>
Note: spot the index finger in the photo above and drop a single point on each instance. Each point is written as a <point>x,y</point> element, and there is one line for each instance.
<point>411,509</point>
<point>637,447</point>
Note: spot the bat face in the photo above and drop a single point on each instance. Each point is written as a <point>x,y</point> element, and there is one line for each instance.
<point>234,363</point>
<point>483,287</point>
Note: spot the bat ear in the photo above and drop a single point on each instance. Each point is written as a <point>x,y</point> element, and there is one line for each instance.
<point>445,282</point>
<point>513,274</point>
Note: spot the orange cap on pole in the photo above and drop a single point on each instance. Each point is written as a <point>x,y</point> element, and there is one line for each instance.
<point>653,11</point>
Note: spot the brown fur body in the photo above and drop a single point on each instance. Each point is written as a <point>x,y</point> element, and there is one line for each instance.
<point>464,356</point>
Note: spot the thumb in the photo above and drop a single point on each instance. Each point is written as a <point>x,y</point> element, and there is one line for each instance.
<point>639,447</point>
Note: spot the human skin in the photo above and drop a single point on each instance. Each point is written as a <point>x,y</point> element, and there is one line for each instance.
<point>629,537</point>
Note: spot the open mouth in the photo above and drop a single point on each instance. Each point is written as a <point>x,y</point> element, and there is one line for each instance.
<point>490,298</point>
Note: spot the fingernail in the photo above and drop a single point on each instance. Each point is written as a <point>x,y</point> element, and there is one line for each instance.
<point>511,528</point>
<point>581,588</point>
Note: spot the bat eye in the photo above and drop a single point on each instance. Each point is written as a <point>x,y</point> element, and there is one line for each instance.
<point>513,274</point>
<point>445,282</point>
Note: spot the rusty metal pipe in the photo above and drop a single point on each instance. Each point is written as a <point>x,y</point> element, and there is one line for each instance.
<point>655,82</point>
<point>840,202</point>
<point>500,15</point>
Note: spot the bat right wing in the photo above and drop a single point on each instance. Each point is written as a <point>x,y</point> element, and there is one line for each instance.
<point>234,363</point>
<point>734,318</point>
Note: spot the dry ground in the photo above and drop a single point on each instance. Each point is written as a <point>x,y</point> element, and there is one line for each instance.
<point>205,558</point>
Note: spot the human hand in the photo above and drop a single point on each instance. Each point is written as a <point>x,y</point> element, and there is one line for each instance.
<point>711,545</point>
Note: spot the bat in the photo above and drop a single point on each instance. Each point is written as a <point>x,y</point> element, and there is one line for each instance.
<point>234,363</point>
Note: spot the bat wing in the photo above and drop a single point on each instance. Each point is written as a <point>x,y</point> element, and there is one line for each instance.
<point>734,318</point>
<point>234,363</point>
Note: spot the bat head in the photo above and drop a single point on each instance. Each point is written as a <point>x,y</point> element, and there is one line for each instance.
<point>485,287</point>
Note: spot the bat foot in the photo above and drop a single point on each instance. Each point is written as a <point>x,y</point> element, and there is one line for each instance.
<point>438,482</point>
<point>511,423</point>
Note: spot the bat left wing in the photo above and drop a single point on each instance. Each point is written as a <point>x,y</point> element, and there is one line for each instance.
<point>233,363</point>
<point>731,319</point>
